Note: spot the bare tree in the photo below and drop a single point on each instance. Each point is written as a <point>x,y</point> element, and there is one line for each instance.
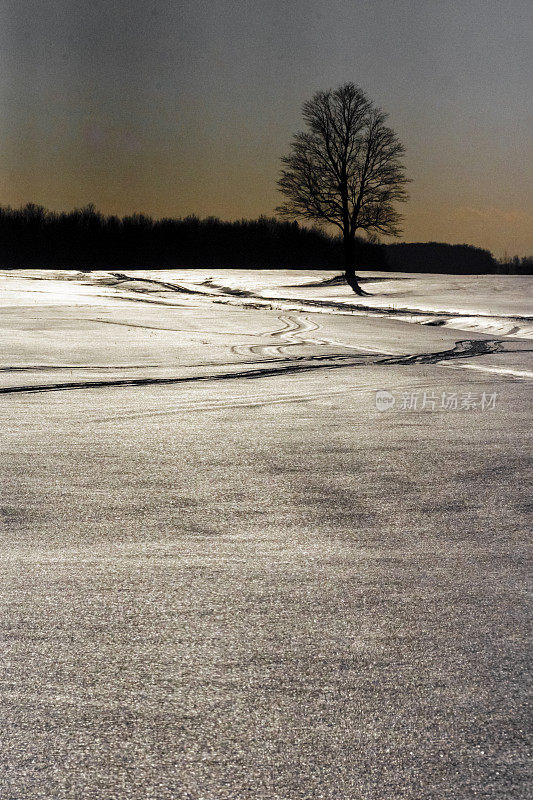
<point>345,169</point>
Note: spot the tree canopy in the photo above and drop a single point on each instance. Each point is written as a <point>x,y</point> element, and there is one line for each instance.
<point>345,169</point>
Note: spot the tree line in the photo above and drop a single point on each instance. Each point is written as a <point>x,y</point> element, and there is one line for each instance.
<point>459,259</point>
<point>32,237</point>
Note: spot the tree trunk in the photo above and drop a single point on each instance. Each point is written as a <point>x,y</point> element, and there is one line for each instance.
<point>349,266</point>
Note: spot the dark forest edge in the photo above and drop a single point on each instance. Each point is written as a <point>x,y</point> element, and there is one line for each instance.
<point>33,237</point>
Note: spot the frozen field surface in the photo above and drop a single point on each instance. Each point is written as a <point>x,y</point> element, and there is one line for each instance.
<point>227,573</point>
<point>499,304</point>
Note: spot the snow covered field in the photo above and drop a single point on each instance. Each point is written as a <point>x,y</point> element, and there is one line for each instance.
<point>230,568</point>
<point>499,304</point>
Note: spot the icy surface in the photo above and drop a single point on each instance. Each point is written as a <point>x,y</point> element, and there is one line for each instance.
<point>227,574</point>
<point>498,304</point>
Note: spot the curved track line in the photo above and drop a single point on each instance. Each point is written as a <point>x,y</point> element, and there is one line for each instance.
<point>174,287</point>
<point>291,335</point>
<point>462,350</point>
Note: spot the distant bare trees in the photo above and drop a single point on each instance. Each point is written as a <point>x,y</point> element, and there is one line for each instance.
<point>345,169</point>
<point>86,239</point>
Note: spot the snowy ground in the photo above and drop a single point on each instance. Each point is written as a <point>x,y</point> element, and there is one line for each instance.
<point>498,304</point>
<point>226,573</point>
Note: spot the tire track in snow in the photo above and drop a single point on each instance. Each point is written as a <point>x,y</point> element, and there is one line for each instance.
<point>462,350</point>
<point>292,334</point>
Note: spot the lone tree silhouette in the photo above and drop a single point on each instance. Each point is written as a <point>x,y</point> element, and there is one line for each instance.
<point>345,169</point>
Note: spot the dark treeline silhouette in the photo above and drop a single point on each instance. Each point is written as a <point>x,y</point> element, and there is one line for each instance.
<point>32,237</point>
<point>516,265</point>
<point>459,259</point>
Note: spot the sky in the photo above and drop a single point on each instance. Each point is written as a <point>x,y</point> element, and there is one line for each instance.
<point>172,107</point>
